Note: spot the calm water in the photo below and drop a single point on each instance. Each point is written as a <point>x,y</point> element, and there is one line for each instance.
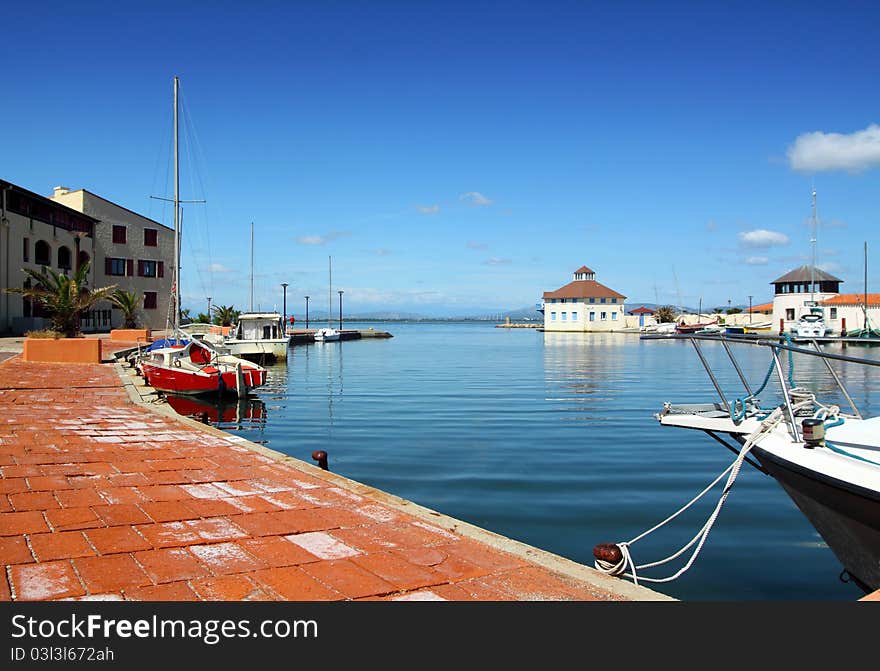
<point>550,439</point>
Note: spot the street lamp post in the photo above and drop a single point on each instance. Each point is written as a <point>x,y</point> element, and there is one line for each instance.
<point>209,309</point>
<point>750,309</point>
<point>340,309</point>
<point>284,286</point>
<point>307,312</point>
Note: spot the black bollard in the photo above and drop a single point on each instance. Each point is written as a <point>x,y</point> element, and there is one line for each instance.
<point>321,457</point>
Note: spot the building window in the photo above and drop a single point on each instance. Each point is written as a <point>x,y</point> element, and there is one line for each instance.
<point>789,314</point>
<point>601,300</point>
<point>151,237</point>
<point>603,316</point>
<point>115,267</point>
<point>833,313</point>
<point>574,316</point>
<point>150,300</point>
<point>118,234</point>
<point>26,250</point>
<point>147,269</point>
<point>592,300</point>
<point>613,300</point>
<point>592,316</point>
<point>42,253</point>
<point>564,316</point>
<point>552,316</point>
<point>64,258</point>
<point>614,316</point>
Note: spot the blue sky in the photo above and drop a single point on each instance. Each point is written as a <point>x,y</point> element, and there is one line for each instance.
<point>459,158</point>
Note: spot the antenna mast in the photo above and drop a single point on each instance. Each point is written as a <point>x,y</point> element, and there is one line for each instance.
<point>813,243</point>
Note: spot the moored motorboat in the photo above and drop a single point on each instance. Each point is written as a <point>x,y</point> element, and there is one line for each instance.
<point>259,336</point>
<point>810,325</point>
<point>196,368</point>
<point>827,460</point>
<point>326,334</point>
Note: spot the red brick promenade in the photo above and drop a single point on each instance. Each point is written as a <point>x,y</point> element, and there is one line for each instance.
<point>101,498</point>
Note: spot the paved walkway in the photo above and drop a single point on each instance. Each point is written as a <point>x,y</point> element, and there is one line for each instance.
<point>102,498</point>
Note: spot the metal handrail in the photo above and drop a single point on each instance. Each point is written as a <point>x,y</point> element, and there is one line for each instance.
<point>775,347</point>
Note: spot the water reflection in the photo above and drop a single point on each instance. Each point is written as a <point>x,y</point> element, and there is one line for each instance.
<point>223,412</point>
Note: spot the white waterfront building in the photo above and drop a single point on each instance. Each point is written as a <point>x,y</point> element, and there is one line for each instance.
<point>584,305</point>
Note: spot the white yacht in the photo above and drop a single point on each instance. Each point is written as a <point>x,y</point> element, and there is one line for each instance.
<point>259,336</point>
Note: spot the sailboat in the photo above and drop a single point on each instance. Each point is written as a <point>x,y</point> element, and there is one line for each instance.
<point>186,365</point>
<point>258,336</point>
<point>328,333</point>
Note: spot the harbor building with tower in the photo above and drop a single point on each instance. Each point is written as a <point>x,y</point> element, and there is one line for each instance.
<point>584,305</point>
<point>801,291</point>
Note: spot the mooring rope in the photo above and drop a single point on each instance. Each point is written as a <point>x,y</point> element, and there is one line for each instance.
<point>627,567</point>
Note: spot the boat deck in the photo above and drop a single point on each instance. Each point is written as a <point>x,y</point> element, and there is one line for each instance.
<point>107,495</point>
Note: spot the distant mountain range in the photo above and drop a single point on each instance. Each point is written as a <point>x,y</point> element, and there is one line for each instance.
<point>527,313</point>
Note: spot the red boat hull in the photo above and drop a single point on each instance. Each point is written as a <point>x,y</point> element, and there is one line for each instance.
<point>179,381</point>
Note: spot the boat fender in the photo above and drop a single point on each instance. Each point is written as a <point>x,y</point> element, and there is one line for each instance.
<point>177,363</point>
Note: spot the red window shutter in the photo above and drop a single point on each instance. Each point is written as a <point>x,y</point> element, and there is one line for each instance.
<point>161,269</point>
<point>129,267</point>
<point>108,265</point>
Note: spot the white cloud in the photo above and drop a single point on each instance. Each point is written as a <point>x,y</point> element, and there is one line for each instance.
<point>219,268</point>
<point>429,209</point>
<point>831,267</point>
<point>495,261</point>
<point>382,252</point>
<point>836,151</point>
<point>480,246</point>
<point>322,239</point>
<point>475,198</point>
<point>757,261</point>
<point>762,238</point>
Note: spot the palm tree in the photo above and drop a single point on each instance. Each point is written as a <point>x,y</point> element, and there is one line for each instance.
<point>64,298</point>
<point>664,314</point>
<point>226,314</point>
<point>128,302</point>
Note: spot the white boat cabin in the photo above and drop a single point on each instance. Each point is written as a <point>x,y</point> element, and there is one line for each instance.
<point>258,326</point>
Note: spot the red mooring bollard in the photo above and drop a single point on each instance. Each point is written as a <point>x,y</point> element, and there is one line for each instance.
<point>321,457</point>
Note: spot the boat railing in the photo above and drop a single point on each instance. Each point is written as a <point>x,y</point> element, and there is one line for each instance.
<point>781,344</point>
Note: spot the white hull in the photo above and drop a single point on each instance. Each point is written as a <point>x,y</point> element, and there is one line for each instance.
<point>274,349</point>
<point>326,335</point>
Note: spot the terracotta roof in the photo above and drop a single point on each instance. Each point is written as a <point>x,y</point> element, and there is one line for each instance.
<point>802,274</point>
<point>852,299</point>
<point>584,269</point>
<point>583,289</point>
<point>763,307</point>
<point>642,311</point>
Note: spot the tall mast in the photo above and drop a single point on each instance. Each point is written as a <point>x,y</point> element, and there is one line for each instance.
<point>252,266</point>
<point>176,292</point>
<point>329,289</point>
<point>813,243</point>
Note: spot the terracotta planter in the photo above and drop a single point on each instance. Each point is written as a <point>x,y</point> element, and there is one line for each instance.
<point>62,350</point>
<point>131,335</point>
